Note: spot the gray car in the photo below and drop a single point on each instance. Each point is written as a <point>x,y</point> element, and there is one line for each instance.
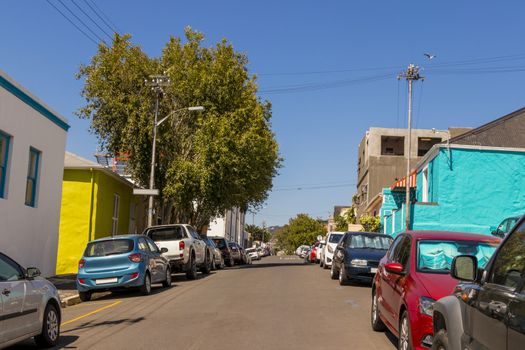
<point>29,306</point>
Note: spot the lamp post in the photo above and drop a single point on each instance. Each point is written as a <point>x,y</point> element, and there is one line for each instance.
<point>152,170</point>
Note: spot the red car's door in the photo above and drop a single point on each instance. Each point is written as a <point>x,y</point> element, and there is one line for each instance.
<point>399,281</point>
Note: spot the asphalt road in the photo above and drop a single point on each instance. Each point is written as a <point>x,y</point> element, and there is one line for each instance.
<point>276,303</point>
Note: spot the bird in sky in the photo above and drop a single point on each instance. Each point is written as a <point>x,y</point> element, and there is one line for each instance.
<point>429,56</point>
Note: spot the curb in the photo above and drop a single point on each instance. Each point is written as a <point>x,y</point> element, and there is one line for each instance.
<point>70,301</point>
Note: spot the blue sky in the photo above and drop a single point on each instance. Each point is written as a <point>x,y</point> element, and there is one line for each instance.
<point>318,130</point>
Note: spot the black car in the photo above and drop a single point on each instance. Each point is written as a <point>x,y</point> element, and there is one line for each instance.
<point>238,253</point>
<point>487,310</point>
<point>357,256</point>
<point>222,244</point>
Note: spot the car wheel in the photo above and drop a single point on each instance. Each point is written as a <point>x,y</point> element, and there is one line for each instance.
<point>221,265</point>
<point>333,273</point>
<point>404,341</point>
<point>375,318</point>
<point>325,266</point>
<point>231,263</point>
<point>321,264</point>
<point>145,289</point>
<point>50,328</point>
<point>343,279</point>
<point>207,265</point>
<point>440,341</point>
<point>84,296</point>
<point>167,281</point>
<point>191,274</point>
<point>213,264</point>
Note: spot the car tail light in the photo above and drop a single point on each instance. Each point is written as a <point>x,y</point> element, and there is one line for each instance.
<point>136,258</point>
<point>81,281</point>
<point>182,245</point>
<point>134,275</point>
<point>81,263</point>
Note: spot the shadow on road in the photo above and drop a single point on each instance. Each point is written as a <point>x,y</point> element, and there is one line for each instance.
<point>265,265</point>
<point>64,343</point>
<point>91,324</point>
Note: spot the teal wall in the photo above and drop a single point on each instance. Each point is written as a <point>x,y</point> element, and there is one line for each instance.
<point>469,190</point>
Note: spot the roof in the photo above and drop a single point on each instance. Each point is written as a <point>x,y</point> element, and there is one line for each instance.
<point>31,100</point>
<point>129,236</point>
<point>445,235</point>
<point>506,131</point>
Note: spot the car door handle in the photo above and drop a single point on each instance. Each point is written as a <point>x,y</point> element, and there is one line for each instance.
<point>498,307</point>
<point>6,292</point>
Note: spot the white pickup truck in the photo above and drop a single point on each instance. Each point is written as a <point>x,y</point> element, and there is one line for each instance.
<point>187,252</point>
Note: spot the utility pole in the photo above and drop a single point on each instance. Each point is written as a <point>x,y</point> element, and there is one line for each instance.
<point>157,82</point>
<point>411,74</point>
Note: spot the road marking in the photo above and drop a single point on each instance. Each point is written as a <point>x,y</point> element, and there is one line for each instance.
<point>92,312</point>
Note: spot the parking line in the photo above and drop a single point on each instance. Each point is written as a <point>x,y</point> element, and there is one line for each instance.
<point>92,312</point>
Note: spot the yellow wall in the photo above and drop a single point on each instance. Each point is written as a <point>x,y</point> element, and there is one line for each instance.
<point>86,213</point>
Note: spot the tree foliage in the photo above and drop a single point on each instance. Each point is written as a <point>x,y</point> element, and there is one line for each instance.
<point>342,221</point>
<point>207,162</point>
<point>370,223</point>
<point>258,233</point>
<point>300,230</point>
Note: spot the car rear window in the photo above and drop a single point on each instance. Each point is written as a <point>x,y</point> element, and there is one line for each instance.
<point>250,250</point>
<point>166,234</point>
<point>437,256</point>
<point>220,243</point>
<point>335,237</point>
<point>109,247</point>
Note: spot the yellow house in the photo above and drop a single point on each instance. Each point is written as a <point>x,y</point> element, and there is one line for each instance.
<point>96,202</point>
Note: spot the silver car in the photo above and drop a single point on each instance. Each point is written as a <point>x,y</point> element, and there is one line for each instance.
<point>29,306</point>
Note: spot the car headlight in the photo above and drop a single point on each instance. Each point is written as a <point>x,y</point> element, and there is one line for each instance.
<point>359,262</point>
<point>426,306</point>
<point>330,249</point>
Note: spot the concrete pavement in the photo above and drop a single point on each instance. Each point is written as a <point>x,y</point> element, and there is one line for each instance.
<point>276,303</point>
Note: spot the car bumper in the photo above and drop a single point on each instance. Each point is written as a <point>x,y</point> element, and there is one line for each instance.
<point>362,273</point>
<point>422,330</point>
<point>124,280</point>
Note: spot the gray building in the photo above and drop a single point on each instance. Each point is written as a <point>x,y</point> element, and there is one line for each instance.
<point>382,157</point>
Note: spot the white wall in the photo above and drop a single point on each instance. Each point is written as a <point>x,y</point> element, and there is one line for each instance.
<point>30,235</point>
<point>231,226</point>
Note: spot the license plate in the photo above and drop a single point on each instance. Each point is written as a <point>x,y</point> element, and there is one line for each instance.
<point>373,270</point>
<point>106,280</point>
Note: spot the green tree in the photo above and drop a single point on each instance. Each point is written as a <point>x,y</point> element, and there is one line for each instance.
<point>258,233</point>
<point>300,230</point>
<point>342,221</point>
<point>370,223</point>
<point>206,162</point>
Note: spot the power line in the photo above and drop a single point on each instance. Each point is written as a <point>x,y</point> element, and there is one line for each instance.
<point>332,71</point>
<point>81,21</point>
<point>91,19</point>
<point>303,188</point>
<point>73,23</point>
<point>97,11</point>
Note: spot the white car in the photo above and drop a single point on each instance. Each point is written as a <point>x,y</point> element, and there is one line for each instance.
<point>320,248</point>
<point>29,306</point>
<point>252,253</point>
<point>332,240</point>
<point>299,250</point>
<point>186,249</point>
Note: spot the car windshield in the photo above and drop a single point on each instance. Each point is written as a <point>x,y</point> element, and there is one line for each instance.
<point>220,243</point>
<point>109,247</point>
<point>335,237</point>
<point>437,256</point>
<point>368,241</point>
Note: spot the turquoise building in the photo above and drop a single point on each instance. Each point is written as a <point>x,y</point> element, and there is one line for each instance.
<point>469,184</point>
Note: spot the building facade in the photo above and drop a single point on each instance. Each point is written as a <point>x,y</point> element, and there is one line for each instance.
<point>231,227</point>
<point>32,145</point>
<point>96,203</point>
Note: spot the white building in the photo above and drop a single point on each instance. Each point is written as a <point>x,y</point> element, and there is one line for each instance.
<point>231,227</point>
<point>32,146</point>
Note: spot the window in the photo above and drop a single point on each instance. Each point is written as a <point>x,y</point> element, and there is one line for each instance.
<point>424,189</point>
<point>143,245</point>
<point>393,247</point>
<point>32,176</point>
<point>509,265</point>
<point>402,252</point>
<point>109,247</point>
<point>166,234</point>
<point>193,233</point>
<point>392,145</point>
<point>424,144</point>
<point>9,270</point>
<point>152,246</point>
<point>4,153</point>
<point>116,205</point>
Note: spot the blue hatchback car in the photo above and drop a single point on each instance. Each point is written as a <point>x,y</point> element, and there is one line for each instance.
<point>121,262</point>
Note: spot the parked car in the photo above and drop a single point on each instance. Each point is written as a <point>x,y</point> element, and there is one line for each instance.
<point>29,306</point>
<point>218,261</point>
<point>320,249</point>
<point>187,252</point>
<point>260,252</point>
<point>332,240</point>
<point>237,253</point>
<point>313,253</point>
<point>413,275</point>
<point>504,227</point>
<point>299,250</point>
<point>222,244</point>
<point>306,255</point>
<point>252,253</point>
<point>122,262</point>
<point>357,256</point>
<point>304,251</point>
<point>487,310</point>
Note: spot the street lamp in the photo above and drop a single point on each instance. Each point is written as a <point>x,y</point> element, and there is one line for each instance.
<point>152,171</point>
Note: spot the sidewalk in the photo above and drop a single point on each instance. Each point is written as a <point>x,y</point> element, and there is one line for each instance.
<point>66,289</point>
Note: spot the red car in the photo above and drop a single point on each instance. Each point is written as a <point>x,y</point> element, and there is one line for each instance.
<point>313,253</point>
<point>413,275</point>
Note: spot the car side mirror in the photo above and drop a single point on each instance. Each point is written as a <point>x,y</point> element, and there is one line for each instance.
<point>163,250</point>
<point>395,268</point>
<point>464,268</point>
<point>32,272</point>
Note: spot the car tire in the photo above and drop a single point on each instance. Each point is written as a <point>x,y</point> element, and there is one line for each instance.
<point>440,341</point>
<point>50,328</point>
<point>145,289</point>
<point>405,336</point>
<point>231,263</point>
<point>206,267</point>
<point>222,265</point>
<point>167,281</point>
<point>213,264</point>
<point>325,266</point>
<point>375,316</point>
<point>334,274</point>
<point>191,273</point>
<point>343,279</point>
<point>321,263</point>
<point>84,296</point>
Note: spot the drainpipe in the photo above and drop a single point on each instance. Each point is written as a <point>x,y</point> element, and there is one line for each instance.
<point>90,234</point>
